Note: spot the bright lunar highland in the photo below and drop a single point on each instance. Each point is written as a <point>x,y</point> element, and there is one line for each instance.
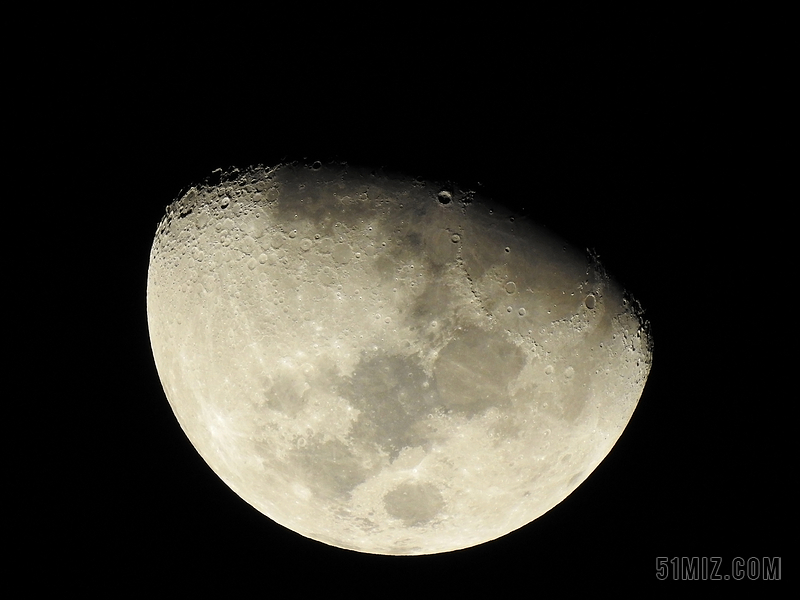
<point>386,364</point>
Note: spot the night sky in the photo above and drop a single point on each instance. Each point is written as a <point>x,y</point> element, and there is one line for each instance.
<point>616,137</point>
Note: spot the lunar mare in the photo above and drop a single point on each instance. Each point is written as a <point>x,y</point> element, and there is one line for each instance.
<point>385,364</point>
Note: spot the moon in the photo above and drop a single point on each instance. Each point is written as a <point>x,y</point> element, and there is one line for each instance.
<point>385,364</point>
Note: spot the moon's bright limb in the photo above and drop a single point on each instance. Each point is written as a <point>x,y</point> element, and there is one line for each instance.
<point>384,364</point>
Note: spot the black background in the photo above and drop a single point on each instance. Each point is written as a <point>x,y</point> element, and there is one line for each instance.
<point>616,130</point>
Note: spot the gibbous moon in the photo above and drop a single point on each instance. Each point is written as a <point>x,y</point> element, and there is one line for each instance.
<point>385,364</point>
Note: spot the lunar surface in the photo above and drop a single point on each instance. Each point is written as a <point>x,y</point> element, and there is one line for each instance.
<point>386,364</point>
